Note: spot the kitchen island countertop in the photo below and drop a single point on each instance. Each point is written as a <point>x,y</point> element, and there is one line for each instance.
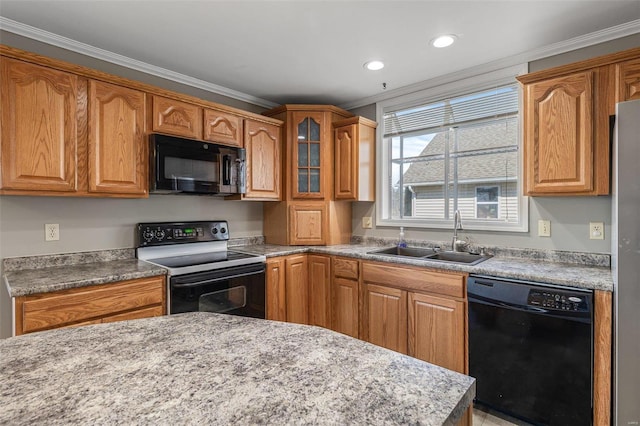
<point>202,368</point>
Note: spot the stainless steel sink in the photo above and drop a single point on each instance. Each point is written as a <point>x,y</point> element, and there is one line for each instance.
<point>405,251</point>
<point>458,257</point>
<point>431,254</point>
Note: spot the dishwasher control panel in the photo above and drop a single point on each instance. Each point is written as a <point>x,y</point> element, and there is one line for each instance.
<point>559,300</point>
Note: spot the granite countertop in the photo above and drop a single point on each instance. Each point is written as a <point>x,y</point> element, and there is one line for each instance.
<point>203,368</point>
<point>523,264</point>
<point>44,274</point>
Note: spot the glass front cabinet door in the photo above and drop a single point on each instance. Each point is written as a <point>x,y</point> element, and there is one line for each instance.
<point>308,152</point>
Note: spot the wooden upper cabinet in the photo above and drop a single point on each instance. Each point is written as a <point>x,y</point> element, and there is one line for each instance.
<point>437,331</point>
<point>222,127</point>
<point>117,151</point>
<point>176,117</point>
<point>262,144</point>
<point>39,127</point>
<point>628,74</point>
<point>354,178</point>
<point>559,135</point>
<point>308,154</point>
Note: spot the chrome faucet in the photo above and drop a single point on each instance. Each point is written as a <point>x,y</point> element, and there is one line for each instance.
<point>457,225</point>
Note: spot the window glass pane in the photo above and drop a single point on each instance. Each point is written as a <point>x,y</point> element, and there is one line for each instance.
<point>314,134</point>
<point>487,211</point>
<point>395,147</point>
<point>303,180</point>
<point>314,180</point>
<point>303,129</point>
<point>315,154</point>
<point>487,194</point>
<point>395,195</point>
<point>303,154</point>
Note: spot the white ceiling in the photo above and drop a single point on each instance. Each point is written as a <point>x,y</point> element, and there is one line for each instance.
<point>313,51</point>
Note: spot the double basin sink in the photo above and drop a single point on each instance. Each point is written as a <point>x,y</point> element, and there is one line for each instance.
<point>431,254</point>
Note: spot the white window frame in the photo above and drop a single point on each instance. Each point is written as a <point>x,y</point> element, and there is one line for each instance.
<point>433,94</point>
<point>497,203</point>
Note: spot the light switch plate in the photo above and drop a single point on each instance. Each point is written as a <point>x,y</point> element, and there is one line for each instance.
<point>367,222</point>
<point>544,228</point>
<point>596,230</point>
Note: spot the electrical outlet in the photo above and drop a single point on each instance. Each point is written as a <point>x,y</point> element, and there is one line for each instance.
<point>544,228</point>
<point>596,230</point>
<point>51,232</point>
<point>367,222</point>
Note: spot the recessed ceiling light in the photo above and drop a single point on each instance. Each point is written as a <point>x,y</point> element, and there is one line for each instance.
<point>443,40</point>
<point>374,65</point>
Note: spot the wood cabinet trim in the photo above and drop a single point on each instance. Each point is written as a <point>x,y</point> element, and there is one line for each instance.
<point>23,55</point>
<point>579,66</point>
<point>602,360</point>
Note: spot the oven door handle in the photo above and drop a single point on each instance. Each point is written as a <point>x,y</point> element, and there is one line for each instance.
<point>215,280</point>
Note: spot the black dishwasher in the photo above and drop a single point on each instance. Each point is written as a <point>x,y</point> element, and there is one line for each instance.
<point>531,350</point>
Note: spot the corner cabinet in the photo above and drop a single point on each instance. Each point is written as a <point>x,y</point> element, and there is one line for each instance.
<point>308,214</point>
<point>567,123</point>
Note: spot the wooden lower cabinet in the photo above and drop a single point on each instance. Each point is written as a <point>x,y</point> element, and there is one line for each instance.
<point>132,299</point>
<point>416,311</point>
<point>345,296</point>
<point>275,290</point>
<point>385,317</point>
<point>320,290</point>
<point>437,331</point>
<point>296,289</point>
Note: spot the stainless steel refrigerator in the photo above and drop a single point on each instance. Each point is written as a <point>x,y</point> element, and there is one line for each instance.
<point>625,252</point>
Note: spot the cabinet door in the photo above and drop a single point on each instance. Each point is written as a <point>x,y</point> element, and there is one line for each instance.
<point>222,127</point>
<point>385,317</point>
<point>307,224</point>
<point>176,118</point>
<point>559,135</point>
<point>297,293</point>
<point>437,331</point>
<point>344,305</point>
<point>39,127</point>
<point>308,146</point>
<point>117,149</point>
<point>346,159</point>
<point>276,291</point>
<point>629,80</point>
<point>320,290</point>
<point>262,144</point>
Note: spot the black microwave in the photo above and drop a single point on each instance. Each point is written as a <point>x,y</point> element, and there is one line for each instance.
<point>187,166</point>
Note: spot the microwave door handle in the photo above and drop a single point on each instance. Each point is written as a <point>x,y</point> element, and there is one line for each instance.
<point>226,170</point>
<point>215,280</point>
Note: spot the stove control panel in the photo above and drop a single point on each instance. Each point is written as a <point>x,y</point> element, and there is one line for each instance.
<point>558,300</point>
<point>165,233</point>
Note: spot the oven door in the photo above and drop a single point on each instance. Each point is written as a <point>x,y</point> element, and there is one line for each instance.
<point>237,291</point>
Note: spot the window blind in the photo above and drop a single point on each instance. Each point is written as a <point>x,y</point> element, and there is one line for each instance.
<point>491,103</point>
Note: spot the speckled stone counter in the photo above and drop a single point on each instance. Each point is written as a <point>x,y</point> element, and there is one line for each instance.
<point>44,274</point>
<point>546,269</point>
<point>204,368</point>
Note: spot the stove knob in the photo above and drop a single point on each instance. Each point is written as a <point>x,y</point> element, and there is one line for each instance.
<point>147,234</point>
<point>214,231</point>
<point>223,230</point>
<point>160,234</point>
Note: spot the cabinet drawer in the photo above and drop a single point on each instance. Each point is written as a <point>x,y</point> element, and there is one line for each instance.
<point>87,304</point>
<point>410,278</point>
<point>345,268</point>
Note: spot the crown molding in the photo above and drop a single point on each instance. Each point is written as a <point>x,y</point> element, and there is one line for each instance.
<point>618,31</point>
<point>105,55</point>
